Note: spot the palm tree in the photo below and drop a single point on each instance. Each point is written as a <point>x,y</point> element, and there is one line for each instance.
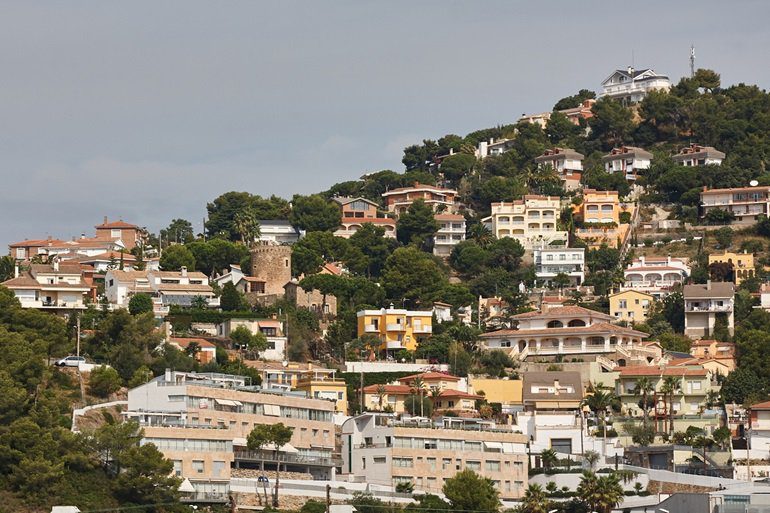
<point>600,400</point>
<point>591,458</point>
<point>245,222</point>
<point>600,494</point>
<point>418,388</point>
<point>670,386</point>
<point>535,500</point>
<point>381,394</point>
<point>480,234</point>
<point>549,458</point>
<point>644,387</point>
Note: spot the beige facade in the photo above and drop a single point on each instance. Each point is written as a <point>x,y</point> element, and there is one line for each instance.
<point>742,264</point>
<point>379,449</point>
<point>631,306</point>
<point>201,422</point>
<point>745,203</point>
<point>531,220</point>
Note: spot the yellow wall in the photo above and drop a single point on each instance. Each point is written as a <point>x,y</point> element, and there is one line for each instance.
<point>631,298</point>
<point>328,386</point>
<point>408,337</point>
<point>507,391</point>
<point>743,264</point>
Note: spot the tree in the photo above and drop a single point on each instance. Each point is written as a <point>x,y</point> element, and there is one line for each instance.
<point>724,237</point>
<point>457,166</point>
<point>231,300</point>
<point>468,492</point>
<point>413,276</point>
<point>142,375</point>
<point>743,386</point>
<point>246,224</point>
<point>570,102</point>
<point>371,242</point>
<point>222,211</point>
<point>548,458</point>
<point>314,213</point>
<point>140,303</point>
<point>671,385</point>
<point>146,477</point>
<point>643,388</point>
<point>506,254</point>
<point>175,257</point>
<point>495,362</point>
<point>246,340</point>
<point>600,494</point>
<point>611,123</point>
<point>418,404</point>
<point>104,381</point>
<point>468,258</point>
<point>417,226</point>
<point>179,231</point>
<point>535,500</point>
<point>7,267</point>
<point>276,435</point>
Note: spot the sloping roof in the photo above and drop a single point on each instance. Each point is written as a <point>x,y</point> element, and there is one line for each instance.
<point>115,224</point>
<point>180,287</point>
<point>625,152</point>
<point>761,406</point>
<point>449,392</point>
<point>429,376</point>
<point>344,200</point>
<point>544,379</point>
<point>389,389</point>
<point>696,150</point>
<point>759,188</point>
<point>558,154</point>
<point>24,281</point>
<point>64,268</point>
<point>719,289</point>
<point>562,311</point>
<point>635,74</point>
<point>449,217</point>
<point>184,342</point>
<point>419,186</point>
<point>35,243</point>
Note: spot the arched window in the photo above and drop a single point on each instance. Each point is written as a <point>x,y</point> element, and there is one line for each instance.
<point>555,324</point>
<point>576,323</point>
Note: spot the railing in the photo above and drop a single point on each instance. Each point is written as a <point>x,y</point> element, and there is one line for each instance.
<point>423,329</point>
<point>371,328</point>
<point>205,497</point>
<point>286,457</point>
<point>710,308</point>
<point>396,327</point>
<point>606,362</point>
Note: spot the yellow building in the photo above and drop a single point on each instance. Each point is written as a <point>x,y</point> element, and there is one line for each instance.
<point>599,213</point>
<point>397,329</point>
<point>743,264</point>
<point>324,386</point>
<point>504,391</point>
<point>630,306</point>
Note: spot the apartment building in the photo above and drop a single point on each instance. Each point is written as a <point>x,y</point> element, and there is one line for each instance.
<point>553,261</point>
<point>628,160</point>
<point>564,331</point>
<point>445,391</point>
<point>567,163</point>
<point>531,220</point>
<point>166,288</point>
<point>396,328</point>
<point>200,421</point>
<point>398,200</point>
<point>695,382</point>
<point>745,203</point>
<point>698,155</point>
<point>704,304</point>
<point>630,86</point>
<point>599,219</point>
<point>584,111</point>
<point>278,231</point>
<point>451,232</point>
<point>742,264</point>
<point>383,450</point>
<point>655,275</point>
<point>358,211</point>
<point>631,306</point>
<point>57,287</point>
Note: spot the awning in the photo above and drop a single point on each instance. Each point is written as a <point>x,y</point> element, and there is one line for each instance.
<point>186,486</point>
<point>497,446</point>
<point>272,410</point>
<point>562,405</point>
<point>240,442</point>
<point>284,448</point>
<point>228,402</point>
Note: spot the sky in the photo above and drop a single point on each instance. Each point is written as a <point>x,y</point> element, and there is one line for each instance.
<point>147,110</point>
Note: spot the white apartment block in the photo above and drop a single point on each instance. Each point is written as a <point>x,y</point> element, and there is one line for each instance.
<point>745,203</point>
<point>655,275</point>
<point>382,450</point>
<point>552,261</point>
<point>531,220</point>
<point>628,160</point>
<point>451,231</point>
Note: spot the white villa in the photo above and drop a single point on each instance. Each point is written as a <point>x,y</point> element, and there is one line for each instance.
<point>549,262</point>
<point>56,286</point>
<point>655,275</point>
<point>631,85</point>
<point>628,160</point>
<point>567,163</point>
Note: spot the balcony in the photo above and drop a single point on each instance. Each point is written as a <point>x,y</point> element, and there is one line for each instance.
<point>396,327</point>
<point>394,344</point>
<point>422,329</point>
<point>708,308</point>
<point>371,328</point>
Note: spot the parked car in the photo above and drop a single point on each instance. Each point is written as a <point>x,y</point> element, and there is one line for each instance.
<point>70,361</point>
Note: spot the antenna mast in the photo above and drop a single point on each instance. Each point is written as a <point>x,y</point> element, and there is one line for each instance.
<point>692,61</point>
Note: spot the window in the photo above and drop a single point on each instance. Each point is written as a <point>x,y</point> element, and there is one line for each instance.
<point>218,468</point>
<point>114,234</point>
<point>492,466</point>
<point>403,462</point>
<point>622,304</point>
<point>473,465</point>
<point>379,460</point>
<point>198,466</point>
<point>432,463</point>
<point>177,467</point>
<point>446,463</point>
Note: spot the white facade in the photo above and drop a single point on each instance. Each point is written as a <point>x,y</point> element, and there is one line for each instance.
<point>531,221</point>
<point>564,432</point>
<point>270,328</point>
<point>451,231</point>
<point>628,160</point>
<point>278,231</point>
<point>703,304</point>
<point>492,148</point>
<point>49,287</point>
<point>697,155</point>
<point>655,276</point>
<point>631,86</point>
<point>549,262</point>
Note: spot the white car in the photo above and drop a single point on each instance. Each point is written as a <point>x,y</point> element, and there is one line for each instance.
<point>71,361</point>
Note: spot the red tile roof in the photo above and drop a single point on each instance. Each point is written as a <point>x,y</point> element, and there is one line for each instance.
<point>115,224</point>
<point>426,376</point>
<point>761,406</point>
<point>33,243</point>
<point>389,389</point>
<point>563,311</point>
<point>184,342</point>
<point>459,394</point>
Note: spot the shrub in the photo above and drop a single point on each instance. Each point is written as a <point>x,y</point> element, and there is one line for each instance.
<point>139,304</point>
<point>104,381</point>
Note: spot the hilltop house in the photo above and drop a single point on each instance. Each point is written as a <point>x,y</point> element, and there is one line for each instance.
<point>704,305</point>
<point>567,163</point>
<point>745,203</point>
<point>357,211</point>
<point>697,155</point>
<point>628,160</point>
<point>655,275</point>
<point>631,85</point>
<point>398,200</point>
<point>56,286</point>
<point>451,231</point>
<point>530,220</point>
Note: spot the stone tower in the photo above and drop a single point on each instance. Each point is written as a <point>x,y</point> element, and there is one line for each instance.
<point>272,265</point>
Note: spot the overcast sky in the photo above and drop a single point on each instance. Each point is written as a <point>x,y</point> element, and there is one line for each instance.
<point>147,110</point>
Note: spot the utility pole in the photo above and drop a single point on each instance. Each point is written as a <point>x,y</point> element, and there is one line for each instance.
<point>328,498</point>
<point>77,335</point>
<point>692,61</point>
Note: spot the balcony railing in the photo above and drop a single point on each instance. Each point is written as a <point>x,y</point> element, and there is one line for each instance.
<point>396,327</point>
<point>286,457</point>
<point>709,308</point>
<point>371,328</point>
<point>423,329</point>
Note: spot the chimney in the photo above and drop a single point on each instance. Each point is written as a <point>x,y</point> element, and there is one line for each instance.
<point>56,265</point>
<point>184,271</point>
<point>708,284</point>
<point>105,219</point>
<point>82,235</point>
<point>630,70</point>
<point>16,270</point>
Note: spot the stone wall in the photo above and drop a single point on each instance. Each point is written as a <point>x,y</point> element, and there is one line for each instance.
<point>271,264</point>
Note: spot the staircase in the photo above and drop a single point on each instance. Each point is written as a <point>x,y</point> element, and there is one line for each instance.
<point>606,363</point>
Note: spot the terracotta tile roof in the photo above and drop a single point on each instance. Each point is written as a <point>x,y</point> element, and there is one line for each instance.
<point>426,376</point>
<point>654,370</point>
<point>563,311</point>
<point>332,269</point>
<point>127,275</point>
<point>35,243</point>
<point>24,281</point>
<point>184,342</point>
<point>108,255</point>
<point>449,392</point>
<point>177,287</point>
<point>559,153</point>
<point>64,268</point>
<point>627,151</point>
<point>761,406</point>
<point>115,224</point>
<point>389,389</point>
<point>759,188</point>
<point>597,328</point>
<point>419,186</point>
<point>449,217</point>
<point>196,275</point>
